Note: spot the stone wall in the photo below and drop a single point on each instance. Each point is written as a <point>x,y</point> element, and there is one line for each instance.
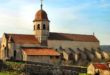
<point>3,46</point>
<point>104,72</point>
<point>44,59</point>
<point>72,44</point>
<point>40,69</point>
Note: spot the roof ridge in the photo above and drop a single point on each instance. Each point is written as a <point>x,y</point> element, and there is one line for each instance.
<point>52,32</point>
<point>18,34</point>
<point>71,34</point>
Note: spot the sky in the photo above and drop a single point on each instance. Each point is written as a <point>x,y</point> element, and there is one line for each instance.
<point>66,16</point>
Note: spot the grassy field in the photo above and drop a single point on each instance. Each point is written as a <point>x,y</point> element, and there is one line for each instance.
<point>1,73</point>
<point>84,74</point>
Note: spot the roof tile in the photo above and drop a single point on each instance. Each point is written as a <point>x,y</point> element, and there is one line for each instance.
<point>46,52</point>
<point>30,39</point>
<point>101,66</point>
<point>73,37</point>
<point>24,39</point>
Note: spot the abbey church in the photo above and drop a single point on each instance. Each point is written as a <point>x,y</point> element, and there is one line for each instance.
<point>48,47</point>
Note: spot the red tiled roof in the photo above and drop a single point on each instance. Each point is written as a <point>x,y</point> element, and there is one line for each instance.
<point>46,52</point>
<point>22,38</point>
<point>72,37</point>
<point>41,15</point>
<point>30,39</point>
<point>101,66</point>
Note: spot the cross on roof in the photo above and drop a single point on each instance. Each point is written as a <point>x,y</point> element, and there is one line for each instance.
<point>41,3</point>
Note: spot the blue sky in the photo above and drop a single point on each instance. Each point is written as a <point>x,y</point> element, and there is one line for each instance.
<point>67,16</point>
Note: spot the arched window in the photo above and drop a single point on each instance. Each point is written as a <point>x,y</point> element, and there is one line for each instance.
<point>14,54</point>
<point>44,27</point>
<point>38,26</point>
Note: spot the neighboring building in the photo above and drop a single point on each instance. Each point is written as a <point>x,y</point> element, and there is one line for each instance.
<point>70,46</point>
<point>108,64</point>
<point>98,69</point>
<point>41,55</point>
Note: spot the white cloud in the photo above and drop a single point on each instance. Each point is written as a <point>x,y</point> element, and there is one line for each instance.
<point>19,19</point>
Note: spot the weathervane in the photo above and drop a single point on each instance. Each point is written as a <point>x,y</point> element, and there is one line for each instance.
<point>41,4</point>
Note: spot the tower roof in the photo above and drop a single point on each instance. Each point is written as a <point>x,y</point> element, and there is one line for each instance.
<point>41,15</point>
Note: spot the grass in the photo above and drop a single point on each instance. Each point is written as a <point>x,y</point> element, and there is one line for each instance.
<point>15,62</point>
<point>84,74</point>
<point>1,73</point>
<point>77,66</point>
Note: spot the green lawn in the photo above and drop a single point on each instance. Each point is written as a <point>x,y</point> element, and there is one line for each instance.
<point>84,74</point>
<point>1,73</point>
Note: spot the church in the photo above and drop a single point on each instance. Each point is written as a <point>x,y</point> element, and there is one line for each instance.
<point>49,47</point>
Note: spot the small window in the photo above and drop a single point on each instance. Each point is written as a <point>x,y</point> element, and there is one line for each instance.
<point>57,57</point>
<point>14,54</point>
<point>51,57</point>
<point>44,27</point>
<point>38,26</point>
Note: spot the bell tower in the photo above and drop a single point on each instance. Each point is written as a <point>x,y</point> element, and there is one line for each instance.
<point>41,26</point>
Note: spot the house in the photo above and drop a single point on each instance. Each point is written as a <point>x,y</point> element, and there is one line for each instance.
<point>98,69</point>
<point>108,63</point>
<point>41,55</point>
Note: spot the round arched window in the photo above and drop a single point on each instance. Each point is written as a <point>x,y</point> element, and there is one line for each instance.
<point>44,27</point>
<point>38,26</point>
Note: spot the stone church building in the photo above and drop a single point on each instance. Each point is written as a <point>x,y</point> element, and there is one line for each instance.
<point>49,47</point>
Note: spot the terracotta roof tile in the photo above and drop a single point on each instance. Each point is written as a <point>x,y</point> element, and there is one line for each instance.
<point>72,37</point>
<point>30,39</point>
<point>41,15</point>
<point>101,66</point>
<point>24,39</point>
<point>46,52</point>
